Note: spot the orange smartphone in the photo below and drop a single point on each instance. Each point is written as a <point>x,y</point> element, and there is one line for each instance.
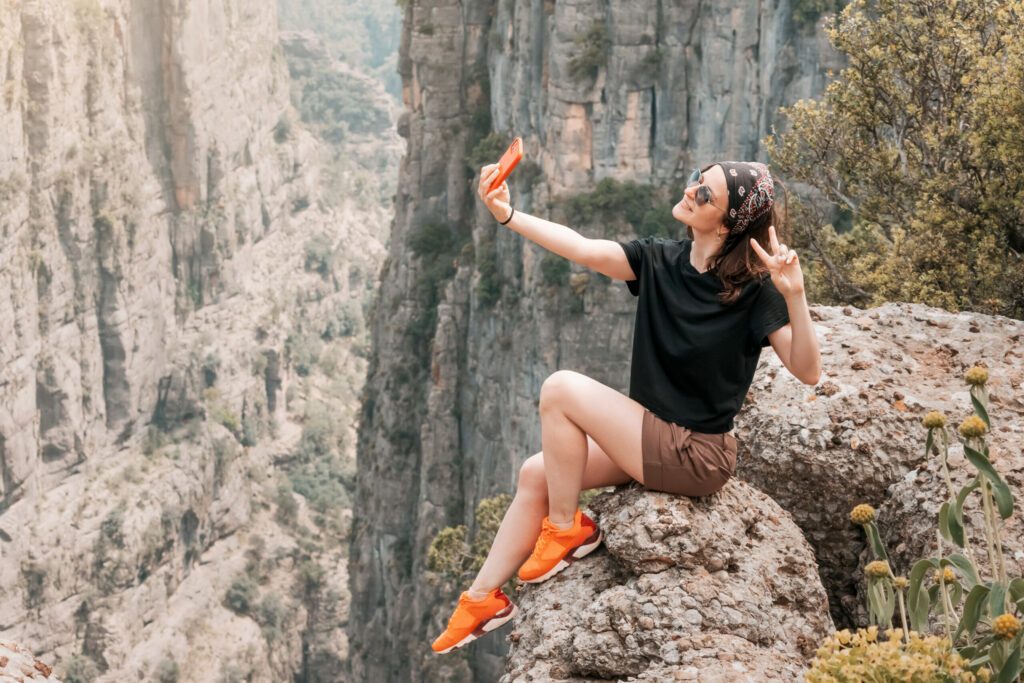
<point>512,156</point>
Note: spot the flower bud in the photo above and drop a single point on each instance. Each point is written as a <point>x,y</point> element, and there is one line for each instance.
<point>862,514</point>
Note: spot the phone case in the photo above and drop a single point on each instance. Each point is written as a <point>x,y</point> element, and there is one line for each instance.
<point>508,162</point>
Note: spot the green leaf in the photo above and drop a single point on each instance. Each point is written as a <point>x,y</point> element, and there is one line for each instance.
<point>1011,667</point>
<point>997,653</point>
<point>965,567</point>
<point>928,443</point>
<point>877,547</point>
<point>918,602</point>
<point>944,522</point>
<point>973,608</point>
<point>1004,499</point>
<point>1017,589</point>
<point>997,599</point>
<point>980,410</point>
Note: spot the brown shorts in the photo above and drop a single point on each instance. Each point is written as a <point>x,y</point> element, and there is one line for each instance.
<point>680,460</point>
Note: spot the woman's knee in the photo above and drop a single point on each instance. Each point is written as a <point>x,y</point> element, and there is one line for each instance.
<point>532,479</point>
<point>554,387</point>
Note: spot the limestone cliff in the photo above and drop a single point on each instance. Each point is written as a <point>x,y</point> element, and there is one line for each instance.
<point>183,324</point>
<point>471,318</point>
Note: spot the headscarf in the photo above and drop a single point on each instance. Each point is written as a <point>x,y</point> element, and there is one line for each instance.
<point>751,192</point>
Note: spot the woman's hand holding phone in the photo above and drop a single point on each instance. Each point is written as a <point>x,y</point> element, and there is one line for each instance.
<point>498,201</point>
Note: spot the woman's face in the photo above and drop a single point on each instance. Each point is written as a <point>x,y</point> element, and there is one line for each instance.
<point>708,217</point>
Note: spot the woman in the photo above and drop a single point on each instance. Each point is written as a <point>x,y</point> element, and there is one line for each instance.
<point>704,313</point>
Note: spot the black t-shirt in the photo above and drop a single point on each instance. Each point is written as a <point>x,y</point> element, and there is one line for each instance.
<point>694,358</point>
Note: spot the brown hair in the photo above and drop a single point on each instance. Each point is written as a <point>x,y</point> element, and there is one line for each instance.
<point>736,262</point>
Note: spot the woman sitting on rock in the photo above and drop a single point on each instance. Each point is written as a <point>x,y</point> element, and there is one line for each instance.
<point>705,311</point>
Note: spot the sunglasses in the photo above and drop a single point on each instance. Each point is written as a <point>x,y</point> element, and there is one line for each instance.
<point>703,194</point>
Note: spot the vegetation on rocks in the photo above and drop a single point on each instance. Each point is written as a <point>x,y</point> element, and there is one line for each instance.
<point>642,206</point>
<point>921,140</point>
<point>591,52</point>
<point>978,615</point>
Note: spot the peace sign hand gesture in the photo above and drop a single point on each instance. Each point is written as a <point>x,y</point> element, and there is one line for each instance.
<point>782,264</point>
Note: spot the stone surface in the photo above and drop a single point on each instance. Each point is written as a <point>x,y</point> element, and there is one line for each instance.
<point>723,588</point>
<point>19,665</point>
<point>856,437</point>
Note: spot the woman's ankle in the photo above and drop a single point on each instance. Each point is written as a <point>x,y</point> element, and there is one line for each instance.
<point>475,594</point>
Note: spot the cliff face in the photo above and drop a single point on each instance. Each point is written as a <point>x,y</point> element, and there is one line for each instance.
<point>159,288</point>
<point>471,321</point>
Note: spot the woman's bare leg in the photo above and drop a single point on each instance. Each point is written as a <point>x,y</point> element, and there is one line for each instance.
<point>521,524</point>
<point>574,409</point>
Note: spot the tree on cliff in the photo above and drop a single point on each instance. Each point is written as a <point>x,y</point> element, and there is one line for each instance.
<point>920,141</point>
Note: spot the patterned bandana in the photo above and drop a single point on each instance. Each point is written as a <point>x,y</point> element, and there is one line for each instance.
<point>751,192</point>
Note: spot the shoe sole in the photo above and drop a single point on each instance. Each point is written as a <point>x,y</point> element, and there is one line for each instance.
<point>581,550</point>
<point>494,622</point>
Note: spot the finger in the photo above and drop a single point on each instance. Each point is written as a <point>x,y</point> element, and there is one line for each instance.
<point>791,257</point>
<point>760,251</point>
<point>774,239</point>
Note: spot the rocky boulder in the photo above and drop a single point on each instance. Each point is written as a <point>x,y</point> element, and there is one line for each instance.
<point>856,437</point>
<point>19,665</point>
<point>722,588</point>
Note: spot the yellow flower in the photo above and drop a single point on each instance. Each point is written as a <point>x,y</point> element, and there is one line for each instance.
<point>972,426</point>
<point>934,420</point>
<point>977,375</point>
<point>877,569</point>
<point>948,575</point>
<point>984,675</point>
<point>900,582</point>
<point>862,514</point>
<point>843,636</point>
<point>871,635</point>
<point>1006,626</point>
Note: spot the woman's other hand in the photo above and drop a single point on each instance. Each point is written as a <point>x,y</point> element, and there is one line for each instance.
<point>782,264</point>
<point>498,201</point>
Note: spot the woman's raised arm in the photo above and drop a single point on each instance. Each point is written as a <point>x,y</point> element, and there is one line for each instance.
<point>604,256</point>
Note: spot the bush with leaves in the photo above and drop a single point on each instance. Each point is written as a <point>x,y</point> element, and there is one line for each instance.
<point>985,629</point>
<point>458,559</point>
<point>921,139</point>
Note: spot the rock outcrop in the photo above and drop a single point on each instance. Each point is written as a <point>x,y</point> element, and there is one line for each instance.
<point>856,437</point>
<point>466,330</point>
<point>19,665</point>
<point>719,589</point>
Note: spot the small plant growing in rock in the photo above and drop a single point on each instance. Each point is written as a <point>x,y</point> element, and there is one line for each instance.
<point>591,52</point>
<point>986,631</point>
<point>862,656</point>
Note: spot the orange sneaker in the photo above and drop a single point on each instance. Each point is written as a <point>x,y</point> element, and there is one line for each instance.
<point>473,618</point>
<point>557,548</point>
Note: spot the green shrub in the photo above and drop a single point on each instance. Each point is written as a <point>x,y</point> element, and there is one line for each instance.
<point>303,351</point>
<point>591,52</point>
<point>628,199</point>
<point>283,129</point>
<point>554,270</point>
<point>488,151</point>
<point>488,289</point>
<point>167,670</point>
<point>80,668</point>
<point>271,616</point>
<point>432,240</point>
<point>806,12</point>
<point>287,508</point>
<point>241,596</point>
<point>217,410</point>
<point>33,573</point>
<point>319,254</point>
